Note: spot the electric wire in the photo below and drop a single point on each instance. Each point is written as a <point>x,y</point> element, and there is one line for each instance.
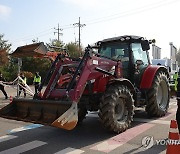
<point>131,12</point>
<point>102,19</point>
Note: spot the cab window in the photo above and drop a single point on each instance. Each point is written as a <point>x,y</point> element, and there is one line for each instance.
<point>139,54</point>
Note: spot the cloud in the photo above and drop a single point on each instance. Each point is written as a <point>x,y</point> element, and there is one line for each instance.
<point>4,11</point>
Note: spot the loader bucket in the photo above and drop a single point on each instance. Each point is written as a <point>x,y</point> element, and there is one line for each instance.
<point>61,114</point>
<point>32,50</point>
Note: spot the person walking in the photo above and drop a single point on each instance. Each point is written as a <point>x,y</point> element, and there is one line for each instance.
<point>22,84</point>
<point>37,81</point>
<point>175,78</point>
<point>178,101</point>
<point>2,86</point>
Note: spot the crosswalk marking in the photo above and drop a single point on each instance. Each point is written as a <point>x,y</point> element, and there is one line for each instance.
<point>25,128</point>
<point>70,151</point>
<point>24,147</point>
<point>6,138</point>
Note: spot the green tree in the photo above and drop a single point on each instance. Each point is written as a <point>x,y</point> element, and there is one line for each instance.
<point>31,65</point>
<point>10,70</point>
<point>73,50</point>
<point>4,43</point>
<point>4,49</point>
<point>7,66</point>
<point>55,45</point>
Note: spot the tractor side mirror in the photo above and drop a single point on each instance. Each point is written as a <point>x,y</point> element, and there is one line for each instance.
<point>145,45</point>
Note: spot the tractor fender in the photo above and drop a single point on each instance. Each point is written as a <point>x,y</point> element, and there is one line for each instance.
<point>123,81</point>
<point>149,75</point>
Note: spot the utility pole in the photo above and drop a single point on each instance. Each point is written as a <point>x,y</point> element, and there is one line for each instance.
<point>19,70</point>
<point>80,26</point>
<point>58,32</point>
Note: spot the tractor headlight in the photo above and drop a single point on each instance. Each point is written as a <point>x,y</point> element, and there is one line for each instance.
<point>122,39</point>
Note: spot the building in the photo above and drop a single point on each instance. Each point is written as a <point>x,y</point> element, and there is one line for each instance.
<point>156,52</point>
<point>170,63</point>
<point>174,63</point>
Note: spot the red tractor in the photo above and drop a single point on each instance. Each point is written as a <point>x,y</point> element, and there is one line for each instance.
<point>113,77</point>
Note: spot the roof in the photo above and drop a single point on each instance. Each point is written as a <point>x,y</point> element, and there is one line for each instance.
<point>36,49</point>
<point>132,37</point>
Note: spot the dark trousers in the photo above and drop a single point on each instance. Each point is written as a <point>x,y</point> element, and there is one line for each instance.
<point>36,87</point>
<point>178,114</point>
<point>22,89</point>
<point>3,90</point>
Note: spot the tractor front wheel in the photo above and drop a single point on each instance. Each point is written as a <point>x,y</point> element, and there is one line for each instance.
<point>82,111</point>
<point>158,96</point>
<point>81,114</point>
<point>116,108</point>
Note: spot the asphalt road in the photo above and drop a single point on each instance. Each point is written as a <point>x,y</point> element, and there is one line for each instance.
<point>89,137</point>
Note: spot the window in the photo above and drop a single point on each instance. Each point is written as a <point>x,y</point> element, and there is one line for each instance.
<point>139,54</point>
<point>115,51</point>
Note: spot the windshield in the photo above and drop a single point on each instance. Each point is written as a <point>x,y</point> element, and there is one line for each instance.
<point>116,51</point>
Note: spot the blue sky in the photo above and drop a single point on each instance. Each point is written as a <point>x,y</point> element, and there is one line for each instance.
<point>21,21</point>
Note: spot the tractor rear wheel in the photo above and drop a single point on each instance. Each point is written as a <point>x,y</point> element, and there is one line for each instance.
<point>158,96</point>
<point>116,108</point>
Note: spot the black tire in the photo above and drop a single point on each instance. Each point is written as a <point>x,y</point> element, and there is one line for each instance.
<point>82,111</point>
<point>117,108</point>
<point>81,114</point>
<point>158,96</point>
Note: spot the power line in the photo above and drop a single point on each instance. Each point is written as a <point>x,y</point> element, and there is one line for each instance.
<point>131,12</point>
<point>32,36</point>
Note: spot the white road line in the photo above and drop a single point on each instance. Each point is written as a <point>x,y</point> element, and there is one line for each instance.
<point>24,147</point>
<point>6,138</point>
<point>70,151</point>
<point>32,126</point>
<point>15,130</point>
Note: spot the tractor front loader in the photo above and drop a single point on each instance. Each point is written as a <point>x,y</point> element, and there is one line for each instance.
<point>113,77</point>
<point>58,105</point>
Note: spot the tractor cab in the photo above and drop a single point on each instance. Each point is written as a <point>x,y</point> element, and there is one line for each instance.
<point>131,51</point>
